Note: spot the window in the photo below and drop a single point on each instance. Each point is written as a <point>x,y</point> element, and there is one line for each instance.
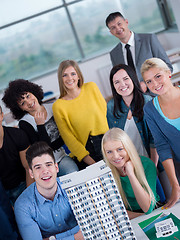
<point>37,35</point>
<point>143,16</point>
<point>13,11</point>
<point>36,46</point>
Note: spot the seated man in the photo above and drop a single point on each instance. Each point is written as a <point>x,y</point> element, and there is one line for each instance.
<point>14,172</point>
<point>43,211</point>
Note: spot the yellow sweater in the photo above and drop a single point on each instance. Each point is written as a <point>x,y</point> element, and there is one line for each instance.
<point>80,117</point>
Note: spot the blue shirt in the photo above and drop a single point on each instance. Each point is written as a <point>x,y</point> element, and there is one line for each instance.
<point>175,122</point>
<point>166,136</point>
<point>38,217</point>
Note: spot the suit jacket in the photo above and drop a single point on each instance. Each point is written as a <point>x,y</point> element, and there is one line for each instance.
<point>146,46</point>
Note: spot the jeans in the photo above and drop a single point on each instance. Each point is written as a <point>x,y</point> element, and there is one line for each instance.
<point>66,166</point>
<point>7,220</point>
<point>14,193</point>
<point>7,232</point>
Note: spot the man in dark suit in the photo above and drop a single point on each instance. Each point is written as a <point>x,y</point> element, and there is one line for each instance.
<point>142,46</point>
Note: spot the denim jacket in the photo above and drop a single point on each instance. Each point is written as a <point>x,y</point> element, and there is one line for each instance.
<point>142,127</point>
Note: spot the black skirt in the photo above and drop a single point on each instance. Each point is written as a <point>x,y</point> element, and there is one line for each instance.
<point>93,146</point>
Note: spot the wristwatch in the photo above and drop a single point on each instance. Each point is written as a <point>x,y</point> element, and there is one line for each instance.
<point>52,238</point>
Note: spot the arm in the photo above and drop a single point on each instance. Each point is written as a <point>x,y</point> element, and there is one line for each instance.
<point>88,160</point>
<point>76,236</point>
<point>153,152</point>
<point>154,156</point>
<point>27,226</point>
<point>71,234</point>
<point>160,141</point>
<point>22,155</point>
<point>133,214</point>
<point>39,118</point>
<point>40,135</point>
<point>170,171</point>
<point>165,154</point>
<point>142,197</point>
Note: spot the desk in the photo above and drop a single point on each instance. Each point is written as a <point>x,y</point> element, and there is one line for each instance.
<point>140,235</point>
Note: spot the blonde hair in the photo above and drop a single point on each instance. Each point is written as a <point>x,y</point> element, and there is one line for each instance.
<point>154,63</point>
<point>62,67</point>
<point>117,134</point>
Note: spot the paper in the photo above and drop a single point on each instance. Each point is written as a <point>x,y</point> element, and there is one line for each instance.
<point>148,226</point>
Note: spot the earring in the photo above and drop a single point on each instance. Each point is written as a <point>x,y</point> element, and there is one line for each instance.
<point>169,76</point>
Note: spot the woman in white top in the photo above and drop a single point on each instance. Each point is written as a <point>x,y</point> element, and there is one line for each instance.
<point>24,99</point>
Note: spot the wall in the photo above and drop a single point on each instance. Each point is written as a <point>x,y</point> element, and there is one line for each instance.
<point>90,73</point>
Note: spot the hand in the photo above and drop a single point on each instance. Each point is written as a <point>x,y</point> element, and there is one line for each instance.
<point>129,168</point>
<point>39,118</point>
<point>175,195</point>
<point>88,160</point>
<point>78,236</point>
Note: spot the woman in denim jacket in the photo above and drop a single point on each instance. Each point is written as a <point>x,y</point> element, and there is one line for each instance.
<point>125,110</point>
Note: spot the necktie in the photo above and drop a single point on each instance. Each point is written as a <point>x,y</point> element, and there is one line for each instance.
<point>129,57</point>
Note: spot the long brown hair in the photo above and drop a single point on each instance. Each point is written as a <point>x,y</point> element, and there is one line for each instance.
<point>62,67</point>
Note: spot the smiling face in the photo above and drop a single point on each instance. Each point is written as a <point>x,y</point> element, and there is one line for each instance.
<point>119,28</point>
<point>44,171</point>
<point>28,103</point>
<point>157,80</point>
<point>116,154</point>
<point>70,78</point>
<point>123,83</point>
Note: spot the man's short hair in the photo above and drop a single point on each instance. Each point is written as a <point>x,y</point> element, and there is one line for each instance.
<point>37,150</point>
<point>112,16</point>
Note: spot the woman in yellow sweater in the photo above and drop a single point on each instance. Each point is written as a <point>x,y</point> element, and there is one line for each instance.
<point>80,114</point>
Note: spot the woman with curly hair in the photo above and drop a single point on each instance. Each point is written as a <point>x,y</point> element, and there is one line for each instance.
<point>24,99</point>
